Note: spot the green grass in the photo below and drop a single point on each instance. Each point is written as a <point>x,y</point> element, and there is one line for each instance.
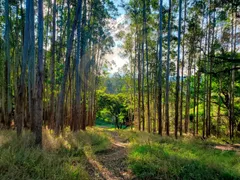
<point>153,157</point>
<point>150,156</point>
<point>106,124</point>
<point>61,158</point>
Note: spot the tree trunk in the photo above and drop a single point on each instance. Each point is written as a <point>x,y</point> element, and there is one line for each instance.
<point>160,69</point>
<point>77,78</point>
<point>168,70</point>
<point>182,69</point>
<point>143,67</point>
<point>139,86</point>
<point>178,78</point>
<point>21,92</point>
<point>8,67</point>
<point>187,108</point>
<point>39,79</point>
<point>31,67</point>
<point>52,68</point>
<point>147,76</point>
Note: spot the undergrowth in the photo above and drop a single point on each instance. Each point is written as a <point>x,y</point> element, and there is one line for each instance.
<point>150,156</point>
<point>60,158</point>
<point>154,157</point>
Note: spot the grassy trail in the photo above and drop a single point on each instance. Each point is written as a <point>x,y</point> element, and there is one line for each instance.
<point>111,163</point>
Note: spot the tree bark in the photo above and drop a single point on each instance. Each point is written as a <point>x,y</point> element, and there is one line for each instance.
<point>39,79</point>
<point>8,67</point>
<point>178,78</point>
<point>25,57</point>
<point>168,71</point>
<point>160,68</point>
<point>52,66</point>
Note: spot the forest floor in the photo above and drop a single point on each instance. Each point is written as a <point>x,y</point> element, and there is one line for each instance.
<point>111,163</point>
<point>106,153</point>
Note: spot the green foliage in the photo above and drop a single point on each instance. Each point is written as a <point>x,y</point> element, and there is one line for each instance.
<point>112,106</point>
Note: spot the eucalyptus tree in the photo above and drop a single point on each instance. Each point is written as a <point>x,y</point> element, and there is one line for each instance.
<point>145,32</point>
<point>39,79</point>
<point>52,66</point>
<point>31,65</point>
<point>182,67</point>
<point>25,57</point>
<point>160,67</point>
<point>7,94</point>
<point>77,74</point>
<point>168,70</point>
<point>178,73</point>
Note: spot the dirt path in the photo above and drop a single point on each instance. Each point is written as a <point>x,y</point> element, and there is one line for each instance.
<point>111,164</point>
<point>229,147</point>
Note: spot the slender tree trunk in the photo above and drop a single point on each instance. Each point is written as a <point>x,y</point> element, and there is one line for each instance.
<point>204,129</point>
<point>194,100</point>
<point>168,70</point>
<point>21,91</point>
<point>209,85</point>
<point>143,70</point>
<point>199,81</point>
<point>84,63</point>
<point>219,109</point>
<point>198,92</point>
<point>182,69</point>
<point>39,79</point>
<point>178,78</point>
<point>77,83</point>
<point>187,108</point>
<point>160,68</point>
<point>139,86</point>
<point>52,68</point>
<point>232,86</point>
<point>45,73</point>
<point>31,66</point>
<point>147,61</point>
<point>134,75</point>
<point>8,67</point>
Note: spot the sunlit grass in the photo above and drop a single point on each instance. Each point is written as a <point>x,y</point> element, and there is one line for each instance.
<point>63,157</point>
<point>150,156</point>
<point>155,157</point>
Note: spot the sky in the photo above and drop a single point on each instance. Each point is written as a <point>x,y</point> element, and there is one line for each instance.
<point>115,56</point>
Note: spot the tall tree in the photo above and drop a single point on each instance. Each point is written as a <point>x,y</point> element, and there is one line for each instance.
<point>31,65</point>
<point>145,7</point>
<point>7,66</point>
<point>160,68</point>
<point>52,68</point>
<point>39,80</point>
<point>178,73</point>
<point>77,78</point>
<point>168,70</point>
<point>25,57</point>
<point>182,68</point>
